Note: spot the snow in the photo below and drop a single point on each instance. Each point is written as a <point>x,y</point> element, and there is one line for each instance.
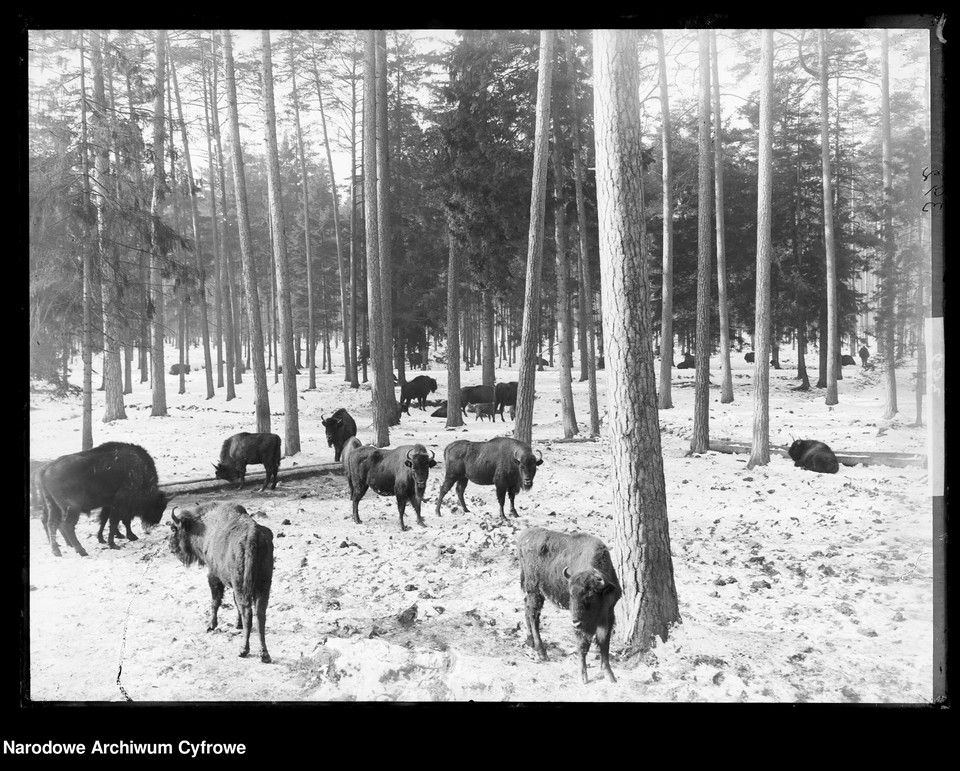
<point>792,586</point>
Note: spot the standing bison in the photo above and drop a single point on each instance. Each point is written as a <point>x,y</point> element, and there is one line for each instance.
<point>480,394</point>
<point>418,388</point>
<point>506,396</point>
<point>401,472</point>
<point>575,572</point>
<point>507,463</point>
<point>119,478</point>
<point>237,552</point>
<point>340,426</point>
<point>483,411</point>
<point>814,456</point>
<point>243,448</point>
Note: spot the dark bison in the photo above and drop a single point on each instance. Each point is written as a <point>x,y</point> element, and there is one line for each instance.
<point>575,572</point>
<point>750,358</point>
<point>506,396</point>
<point>237,552</point>
<point>864,355</point>
<point>340,426</point>
<point>175,369</point>
<point>419,388</point>
<point>116,477</point>
<point>401,472</point>
<point>487,410</point>
<point>688,362</point>
<point>846,360</point>
<point>296,370</point>
<point>814,456</point>
<point>476,395</point>
<point>416,360</point>
<point>440,412</point>
<point>243,448</point>
<point>507,463</point>
<point>541,363</point>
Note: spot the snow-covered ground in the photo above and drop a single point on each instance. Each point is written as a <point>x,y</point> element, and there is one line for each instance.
<point>792,586</point>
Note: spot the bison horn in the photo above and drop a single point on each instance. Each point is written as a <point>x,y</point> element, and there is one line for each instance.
<point>408,453</point>
<point>173,515</point>
<point>432,455</point>
<point>322,419</point>
<point>540,454</point>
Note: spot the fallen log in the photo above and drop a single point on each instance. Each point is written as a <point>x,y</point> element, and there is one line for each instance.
<point>895,459</point>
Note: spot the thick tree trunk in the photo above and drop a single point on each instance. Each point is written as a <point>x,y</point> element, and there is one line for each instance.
<point>255,329</point>
<point>641,551</point>
<point>665,394</point>
<point>700,442</point>
<point>833,338</point>
<point>159,406</point>
<point>454,416</point>
<point>355,349</point>
<point>760,454</point>
<point>889,353</point>
<point>523,429</point>
<point>726,387</point>
<point>489,350</point>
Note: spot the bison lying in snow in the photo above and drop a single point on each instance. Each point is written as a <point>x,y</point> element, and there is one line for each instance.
<point>689,362</point>
<point>814,456</point>
<point>243,448</point>
<point>418,388</point>
<point>237,552</point>
<point>846,360</point>
<point>119,478</point>
<point>440,412</point>
<point>487,410</point>
<point>575,572</point>
<point>339,427</point>
<point>507,463</point>
<point>401,472</point>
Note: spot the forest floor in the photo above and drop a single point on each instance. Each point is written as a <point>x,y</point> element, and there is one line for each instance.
<point>793,586</point>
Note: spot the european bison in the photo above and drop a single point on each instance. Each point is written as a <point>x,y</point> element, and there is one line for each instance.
<point>575,572</point>
<point>237,552</point>
<point>864,355</point>
<point>846,360</point>
<point>339,427</point>
<point>416,360</point>
<point>751,357</point>
<point>175,369</point>
<point>814,456</point>
<point>440,412</point>
<point>507,463</point>
<point>506,396</point>
<point>688,362</point>
<point>401,472</point>
<point>418,388</point>
<point>480,394</point>
<point>483,410</point>
<point>117,477</point>
<point>243,448</point>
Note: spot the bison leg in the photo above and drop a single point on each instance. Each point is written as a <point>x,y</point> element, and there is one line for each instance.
<point>583,645</point>
<point>501,498</point>
<point>402,507</point>
<point>216,597</point>
<point>51,523</point>
<point>417,504</point>
<point>444,489</point>
<point>513,509</point>
<point>261,602</point>
<point>356,494</point>
<point>69,532</point>
<point>104,518</point>
<point>533,603</point>
<point>276,473</point>
<point>246,616</point>
<point>461,486</point>
<point>337,449</point>
<point>130,536</point>
<point>603,641</point>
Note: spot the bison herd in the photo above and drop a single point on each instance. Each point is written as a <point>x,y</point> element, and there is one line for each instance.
<point>573,571</point>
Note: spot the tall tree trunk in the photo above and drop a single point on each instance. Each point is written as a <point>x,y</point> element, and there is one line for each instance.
<point>354,258</point>
<point>86,438</point>
<point>700,442</point>
<point>641,530</point>
<point>833,352</point>
<point>889,354</point>
<point>567,412</point>
<point>799,298</point>
<point>586,282</point>
<point>454,415</point>
<point>197,244</point>
<point>666,316</point>
<point>726,388</point>
<point>261,396</point>
<point>523,429</point>
<point>159,407</point>
<point>760,451</point>
<point>489,349</point>
<point>284,316</point>
<point>382,386</point>
<point>349,342</point>
<point>305,199</point>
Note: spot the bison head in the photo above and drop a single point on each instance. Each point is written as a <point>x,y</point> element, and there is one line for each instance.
<point>332,426</point>
<point>418,462</point>
<point>527,465</point>
<point>151,512</point>
<point>433,384</point>
<point>798,448</point>
<point>225,471</point>
<point>590,597</point>
<point>183,529</point>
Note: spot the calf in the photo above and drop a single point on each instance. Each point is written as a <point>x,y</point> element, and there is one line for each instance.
<point>418,388</point>
<point>574,571</point>
<point>480,394</point>
<point>814,456</point>
<point>507,463</point>
<point>401,472</point>
<point>487,410</point>
<point>339,427</point>
<point>243,448</point>
<point>237,552</point>
<point>119,478</point>
<point>506,396</point>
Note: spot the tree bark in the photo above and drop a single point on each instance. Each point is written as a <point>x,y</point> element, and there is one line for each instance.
<point>454,416</point>
<point>523,429</point>
<point>889,353</point>
<point>666,316</point>
<point>760,454</point>
<point>642,538</point>
<point>489,350</point>
<point>159,406</point>
<point>700,442</point>
<point>833,338</point>
<point>255,329</point>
